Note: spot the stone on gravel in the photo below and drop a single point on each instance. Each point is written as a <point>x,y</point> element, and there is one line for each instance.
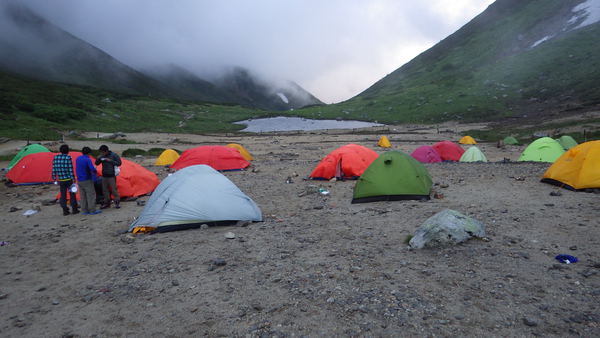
<point>445,228</point>
<point>229,235</point>
<point>529,322</point>
<point>219,262</point>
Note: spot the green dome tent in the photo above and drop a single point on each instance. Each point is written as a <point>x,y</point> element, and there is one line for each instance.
<point>544,149</point>
<point>473,154</point>
<point>510,140</point>
<point>28,149</point>
<point>567,142</point>
<point>393,176</point>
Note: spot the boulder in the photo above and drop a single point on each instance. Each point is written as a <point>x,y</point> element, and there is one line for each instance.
<point>447,227</point>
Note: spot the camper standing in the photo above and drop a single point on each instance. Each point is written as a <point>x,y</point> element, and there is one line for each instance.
<point>86,175</point>
<point>110,161</point>
<point>62,172</point>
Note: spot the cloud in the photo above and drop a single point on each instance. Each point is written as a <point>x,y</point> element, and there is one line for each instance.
<point>335,49</point>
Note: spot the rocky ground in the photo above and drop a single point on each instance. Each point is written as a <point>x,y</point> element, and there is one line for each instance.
<point>317,265</point>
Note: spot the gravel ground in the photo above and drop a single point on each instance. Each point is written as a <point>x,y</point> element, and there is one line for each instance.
<point>317,265</point>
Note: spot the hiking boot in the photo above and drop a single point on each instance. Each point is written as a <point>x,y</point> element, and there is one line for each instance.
<point>66,212</point>
<point>117,204</point>
<point>96,212</point>
<point>75,211</point>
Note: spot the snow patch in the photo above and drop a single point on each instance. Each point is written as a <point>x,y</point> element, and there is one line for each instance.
<point>283,97</point>
<point>588,10</point>
<point>545,38</point>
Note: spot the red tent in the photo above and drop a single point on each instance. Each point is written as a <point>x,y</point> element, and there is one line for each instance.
<point>449,151</point>
<point>347,162</point>
<point>218,157</point>
<point>35,168</point>
<point>426,154</point>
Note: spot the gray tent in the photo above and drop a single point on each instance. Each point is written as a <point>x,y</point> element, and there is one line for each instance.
<point>192,196</point>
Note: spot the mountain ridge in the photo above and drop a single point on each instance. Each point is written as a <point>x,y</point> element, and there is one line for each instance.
<point>32,46</point>
<point>495,66</point>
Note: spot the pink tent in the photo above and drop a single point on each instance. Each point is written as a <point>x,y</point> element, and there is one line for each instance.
<point>426,154</point>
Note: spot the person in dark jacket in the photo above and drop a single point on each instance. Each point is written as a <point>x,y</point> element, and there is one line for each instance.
<point>109,161</point>
<point>62,172</point>
<point>86,174</point>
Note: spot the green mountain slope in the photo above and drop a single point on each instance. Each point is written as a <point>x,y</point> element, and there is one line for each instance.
<point>493,67</point>
<point>33,109</point>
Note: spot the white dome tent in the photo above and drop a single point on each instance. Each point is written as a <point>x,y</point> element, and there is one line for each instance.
<point>193,196</point>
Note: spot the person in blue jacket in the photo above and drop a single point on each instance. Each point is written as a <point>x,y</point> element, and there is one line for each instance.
<point>86,175</point>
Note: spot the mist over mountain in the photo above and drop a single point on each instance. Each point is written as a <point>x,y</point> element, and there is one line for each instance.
<point>32,46</point>
<point>516,59</point>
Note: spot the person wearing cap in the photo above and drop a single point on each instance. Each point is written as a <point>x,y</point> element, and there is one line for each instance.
<point>86,175</point>
<point>62,172</point>
<point>109,161</point>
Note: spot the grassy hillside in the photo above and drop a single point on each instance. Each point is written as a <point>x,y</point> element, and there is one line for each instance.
<point>41,110</point>
<point>487,70</point>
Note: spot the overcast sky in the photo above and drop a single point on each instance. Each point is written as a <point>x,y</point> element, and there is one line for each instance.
<point>333,48</point>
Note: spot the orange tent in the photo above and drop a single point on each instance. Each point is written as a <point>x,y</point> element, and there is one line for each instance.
<point>35,168</point>
<point>467,140</point>
<point>218,157</point>
<point>578,168</point>
<point>133,180</point>
<point>346,162</point>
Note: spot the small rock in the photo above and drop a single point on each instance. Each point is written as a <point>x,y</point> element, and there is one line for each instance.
<point>3,295</point>
<point>330,300</point>
<point>174,282</point>
<point>438,195</point>
<point>229,235</point>
<point>529,322</point>
<point>459,317</point>
<point>573,247</point>
<point>219,262</point>
<point>140,203</point>
<point>13,209</point>
<point>128,239</point>
<point>589,272</point>
<point>43,288</point>
<point>555,193</point>
<point>204,226</point>
<point>444,185</point>
<point>55,302</point>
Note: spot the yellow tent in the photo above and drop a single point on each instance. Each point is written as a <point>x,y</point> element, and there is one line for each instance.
<point>577,168</point>
<point>245,154</point>
<point>167,157</point>
<point>384,142</point>
<point>467,140</point>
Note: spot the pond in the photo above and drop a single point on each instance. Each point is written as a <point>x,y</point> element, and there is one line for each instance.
<point>282,123</point>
